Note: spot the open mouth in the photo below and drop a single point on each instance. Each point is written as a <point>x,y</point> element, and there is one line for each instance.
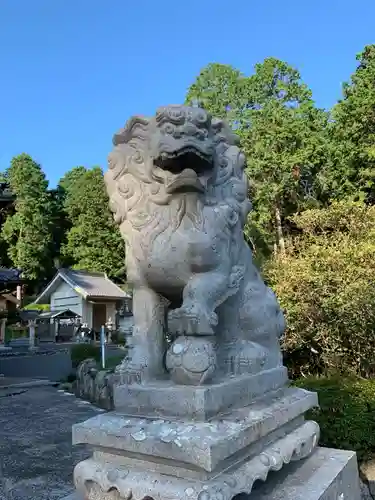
<point>186,158</point>
<point>187,164</point>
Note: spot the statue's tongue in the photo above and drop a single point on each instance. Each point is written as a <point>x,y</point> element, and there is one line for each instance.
<point>186,179</point>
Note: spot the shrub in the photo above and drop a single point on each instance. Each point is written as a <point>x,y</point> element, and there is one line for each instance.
<point>326,285</point>
<point>80,352</point>
<point>112,361</point>
<point>347,413</point>
<point>118,338</point>
<point>38,307</point>
<point>71,378</point>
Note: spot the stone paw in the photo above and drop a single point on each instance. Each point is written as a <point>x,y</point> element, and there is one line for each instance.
<point>191,320</point>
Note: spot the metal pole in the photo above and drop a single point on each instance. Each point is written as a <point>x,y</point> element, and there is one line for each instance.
<point>102,345</point>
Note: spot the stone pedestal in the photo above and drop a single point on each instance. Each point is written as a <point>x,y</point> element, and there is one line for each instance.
<point>187,459</point>
<point>326,475</point>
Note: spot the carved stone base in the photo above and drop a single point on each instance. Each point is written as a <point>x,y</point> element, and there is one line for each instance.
<point>165,399</point>
<point>163,459</point>
<point>110,475</point>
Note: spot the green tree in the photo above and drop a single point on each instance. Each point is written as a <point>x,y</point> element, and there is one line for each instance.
<point>221,90</point>
<point>326,284</point>
<point>6,208</point>
<point>351,171</point>
<point>60,225</point>
<point>93,241</point>
<point>28,230</point>
<point>282,134</point>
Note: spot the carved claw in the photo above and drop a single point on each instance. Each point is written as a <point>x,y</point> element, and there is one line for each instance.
<point>236,276</point>
<point>191,321</point>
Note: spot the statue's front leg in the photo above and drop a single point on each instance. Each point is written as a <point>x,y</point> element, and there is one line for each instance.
<point>202,294</point>
<point>148,343</point>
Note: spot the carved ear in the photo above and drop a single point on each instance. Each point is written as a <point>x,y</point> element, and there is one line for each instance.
<point>119,137</point>
<point>136,126</point>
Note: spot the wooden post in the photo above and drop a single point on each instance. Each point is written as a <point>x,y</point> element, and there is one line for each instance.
<point>19,296</point>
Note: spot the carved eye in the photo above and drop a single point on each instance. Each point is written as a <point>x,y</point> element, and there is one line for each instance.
<point>169,129</point>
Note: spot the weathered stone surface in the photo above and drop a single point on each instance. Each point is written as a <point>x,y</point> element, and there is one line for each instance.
<point>191,360</point>
<point>210,446</point>
<point>94,385</point>
<point>327,475</point>
<point>137,483</point>
<point>161,398</point>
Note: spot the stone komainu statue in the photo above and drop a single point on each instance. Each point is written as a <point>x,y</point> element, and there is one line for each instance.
<point>179,193</point>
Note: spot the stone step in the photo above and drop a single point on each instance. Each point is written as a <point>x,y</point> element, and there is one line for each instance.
<point>327,474</point>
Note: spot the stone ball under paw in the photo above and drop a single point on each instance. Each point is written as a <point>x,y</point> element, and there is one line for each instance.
<point>191,360</point>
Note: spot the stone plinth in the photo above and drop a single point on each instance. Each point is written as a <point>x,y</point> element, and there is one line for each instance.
<point>161,398</point>
<point>326,475</point>
<point>191,459</point>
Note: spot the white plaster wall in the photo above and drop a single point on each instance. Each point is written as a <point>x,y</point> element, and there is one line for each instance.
<point>87,313</point>
<point>66,298</point>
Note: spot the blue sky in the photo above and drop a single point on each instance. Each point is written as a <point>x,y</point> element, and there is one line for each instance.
<point>72,72</point>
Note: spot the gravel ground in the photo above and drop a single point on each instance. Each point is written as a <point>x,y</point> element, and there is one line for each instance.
<point>36,454</point>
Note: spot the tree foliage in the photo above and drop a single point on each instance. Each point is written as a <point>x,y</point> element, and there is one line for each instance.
<point>326,285</point>
<point>28,231</point>
<point>93,241</point>
<point>282,134</point>
<point>351,171</point>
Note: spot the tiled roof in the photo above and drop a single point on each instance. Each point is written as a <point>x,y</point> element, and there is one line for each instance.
<point>89,285</point>
<point>92,284</point>
<point>10,275</point>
